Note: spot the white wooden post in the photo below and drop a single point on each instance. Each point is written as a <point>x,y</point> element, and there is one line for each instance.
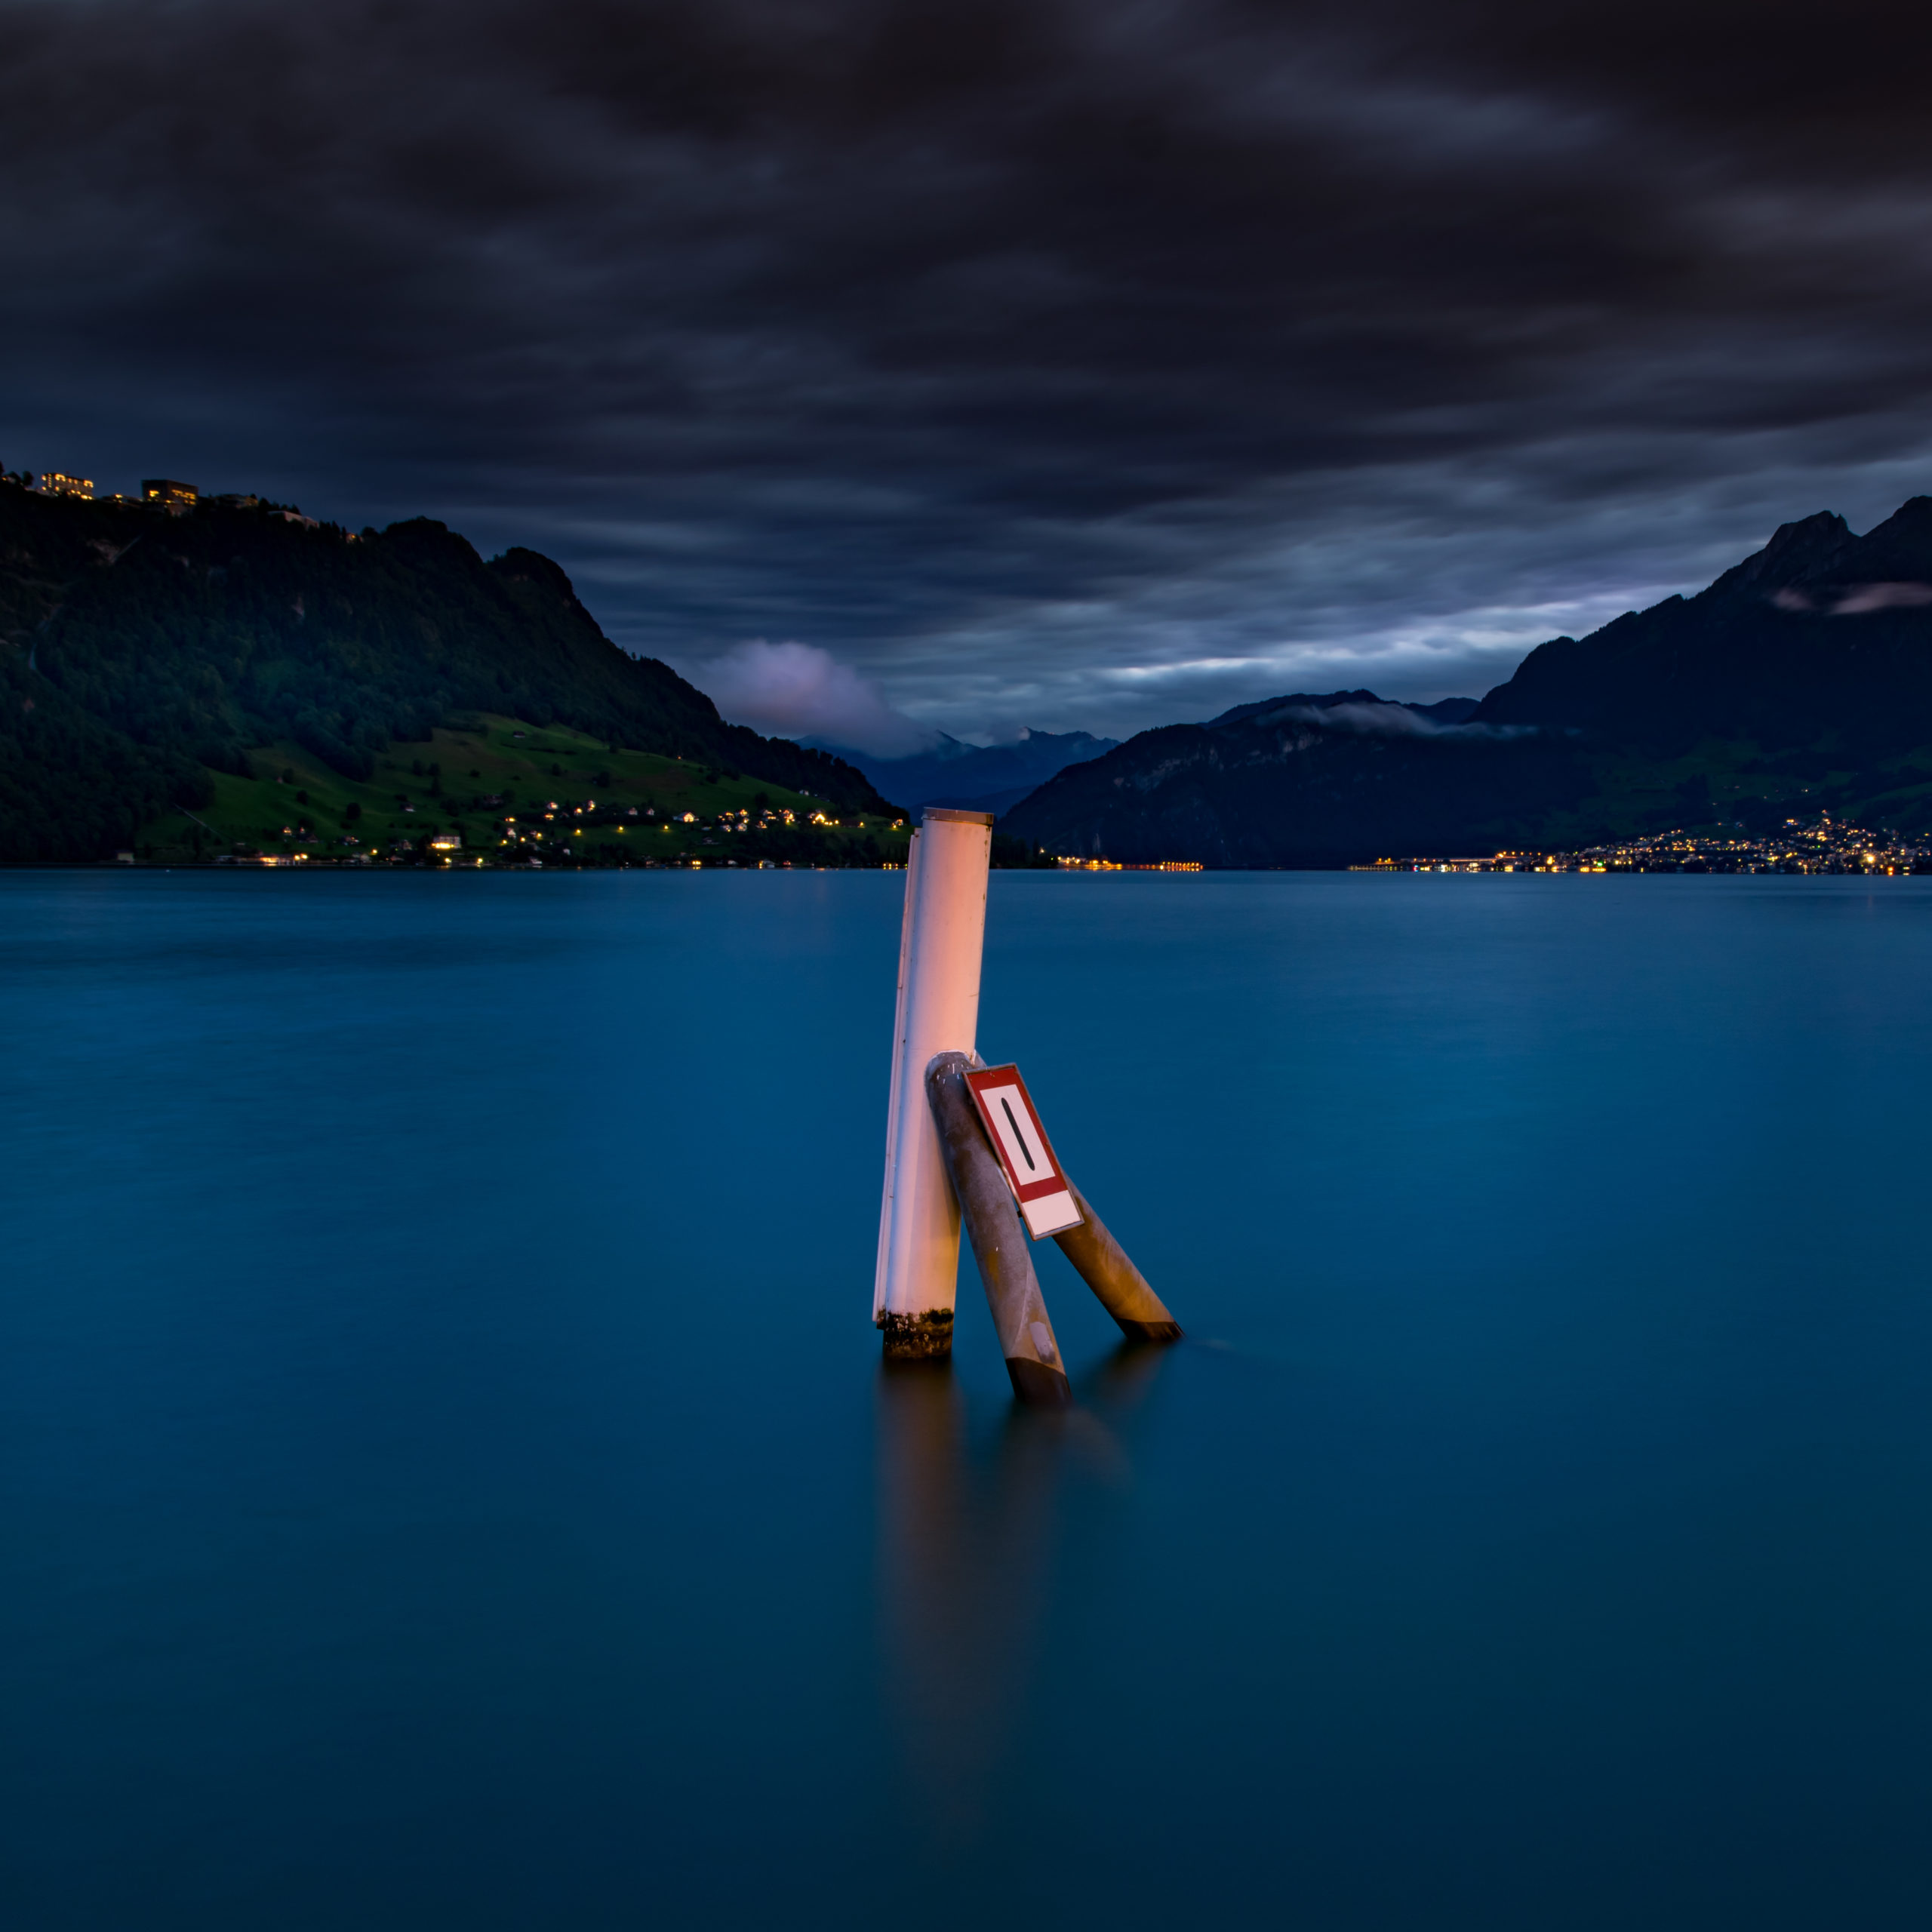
<point>939,947</point>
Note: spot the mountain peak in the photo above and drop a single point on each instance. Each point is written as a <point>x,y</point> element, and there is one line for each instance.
<point>1900,549</point>
<point>1807,532</point>
<point>1796,550</point>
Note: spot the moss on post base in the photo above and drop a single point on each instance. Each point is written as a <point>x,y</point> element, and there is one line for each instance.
<point>917,1337</point>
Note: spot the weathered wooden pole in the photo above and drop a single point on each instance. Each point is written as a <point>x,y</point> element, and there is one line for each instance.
<point>999,1242</point>
<point>939,945</point>
<point>1121,1287</point>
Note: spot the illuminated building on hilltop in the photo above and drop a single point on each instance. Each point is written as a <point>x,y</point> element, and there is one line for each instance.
<point>54,483</point>
<point>162,492</point>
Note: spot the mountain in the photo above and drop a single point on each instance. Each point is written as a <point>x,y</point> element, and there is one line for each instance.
<point>1306,779</point>
<point>989,778</point>
<point>1444,711</point>
<point>1802,677</point>
<point>1821,638</point>
<point>140,650</point>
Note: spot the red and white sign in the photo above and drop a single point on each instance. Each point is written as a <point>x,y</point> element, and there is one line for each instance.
<point>1006,1109</point>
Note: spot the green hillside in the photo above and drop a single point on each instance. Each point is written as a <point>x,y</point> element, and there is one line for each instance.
<point>500,790</point>
<point>146,658</point>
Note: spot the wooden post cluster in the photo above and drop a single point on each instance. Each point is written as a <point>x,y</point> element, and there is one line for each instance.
<point>939,1164</point>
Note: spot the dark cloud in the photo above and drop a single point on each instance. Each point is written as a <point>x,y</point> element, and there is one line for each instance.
<point>1063,364</point>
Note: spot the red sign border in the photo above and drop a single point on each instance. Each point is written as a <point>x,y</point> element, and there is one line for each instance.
<point>978,1078</point>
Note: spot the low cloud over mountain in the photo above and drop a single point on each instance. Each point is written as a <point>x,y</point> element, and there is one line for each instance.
<point>795,690</point>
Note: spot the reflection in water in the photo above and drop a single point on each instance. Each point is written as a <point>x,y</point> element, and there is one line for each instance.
<point>970,1535</point>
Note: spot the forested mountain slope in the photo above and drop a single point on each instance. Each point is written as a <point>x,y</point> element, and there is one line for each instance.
<point>1800,679</point>
<point>1821,641</point>
<point>139,649</point>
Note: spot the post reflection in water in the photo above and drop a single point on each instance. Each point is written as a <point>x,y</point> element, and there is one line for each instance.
<point>971,1535</point>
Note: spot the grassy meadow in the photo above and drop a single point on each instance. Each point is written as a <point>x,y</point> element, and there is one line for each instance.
<point>497,790</point>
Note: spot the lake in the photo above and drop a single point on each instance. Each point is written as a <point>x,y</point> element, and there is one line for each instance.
<point>449,1480</point>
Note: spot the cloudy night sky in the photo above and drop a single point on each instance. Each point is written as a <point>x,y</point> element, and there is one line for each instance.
<point>987,365</point>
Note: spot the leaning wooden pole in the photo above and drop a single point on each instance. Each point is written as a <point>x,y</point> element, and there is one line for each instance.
<point>1120,1286</point>
<point>999,1242</point>
<point>940,940</point>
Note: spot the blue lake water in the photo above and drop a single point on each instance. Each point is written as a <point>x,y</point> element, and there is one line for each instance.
<point>447,1478</point>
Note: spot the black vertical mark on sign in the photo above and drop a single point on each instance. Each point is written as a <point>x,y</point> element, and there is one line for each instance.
<point>1006,1107</point>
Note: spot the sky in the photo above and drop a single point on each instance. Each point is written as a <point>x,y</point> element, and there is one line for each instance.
<point>979,364</point>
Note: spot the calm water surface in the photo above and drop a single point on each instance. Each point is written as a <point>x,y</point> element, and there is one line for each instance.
<point>447,1479</point>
